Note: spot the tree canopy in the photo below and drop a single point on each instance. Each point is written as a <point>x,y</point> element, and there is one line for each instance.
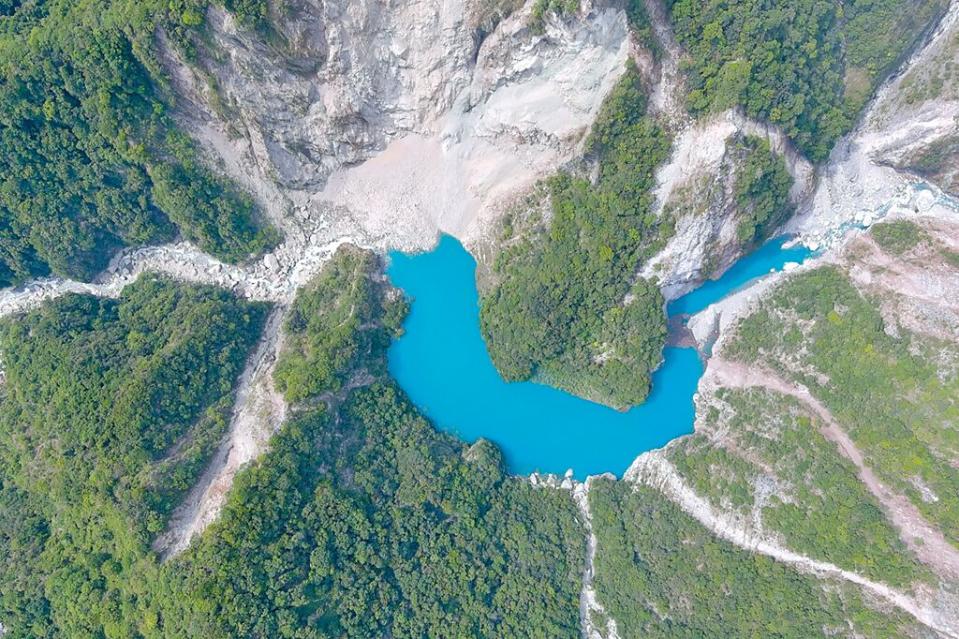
<point>90,158</point>
<point>808,66</point>
<point>566,306</point>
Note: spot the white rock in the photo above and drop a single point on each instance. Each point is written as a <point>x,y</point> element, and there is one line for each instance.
<point>405,129</point>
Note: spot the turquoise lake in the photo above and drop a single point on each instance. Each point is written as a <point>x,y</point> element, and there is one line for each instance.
<point>771,256</point>
<point>442,364</point>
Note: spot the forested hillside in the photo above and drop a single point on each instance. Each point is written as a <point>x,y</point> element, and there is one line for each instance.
<point>661,574</point>
<point>90,159</point>
<point>889,385</point>
<point>557,309</point>
<point>808,66</point>
<point>109,411</point>
<point>819,495</point>
<point>826,432</point>
<point>361,521</point>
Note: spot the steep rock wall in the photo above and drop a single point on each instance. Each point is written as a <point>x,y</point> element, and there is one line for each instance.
<point>397,121</point>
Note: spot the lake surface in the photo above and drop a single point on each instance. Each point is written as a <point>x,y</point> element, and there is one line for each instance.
<point>442,364</point>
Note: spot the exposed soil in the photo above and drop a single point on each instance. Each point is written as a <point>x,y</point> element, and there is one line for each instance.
<point>258,412</point>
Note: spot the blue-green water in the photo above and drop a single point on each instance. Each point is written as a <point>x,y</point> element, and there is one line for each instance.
<point>442,364</point>
<point>771,256</point>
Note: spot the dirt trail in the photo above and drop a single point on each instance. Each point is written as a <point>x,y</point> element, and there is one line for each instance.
<point>654,470</point>
<point>257,413</point>
<point>924,539</point>
<point>926,282</point>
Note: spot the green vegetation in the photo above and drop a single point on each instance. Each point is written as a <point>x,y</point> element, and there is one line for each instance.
<point>641,27</point>
<point>808,66</point>
<point>898,237</point>
<point>811,496</point>
<point>890,394</point>
<point>372,524</point>
<point>89,156</point>
<point>938,78</point>
<point>715,472</point>
<point>361,520</point>
<point>543,8</point>
<point>762,191</point>
<point>335,323</point>
<point>486,15</point>
<point>250,13</point>
<point>558,310</point>
<point>109,411</point>
<point>368,521</point>
<point>660,574</point>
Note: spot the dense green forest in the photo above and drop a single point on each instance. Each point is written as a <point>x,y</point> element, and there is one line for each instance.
<point>761,190</point>
<point>109,410</point>
<point>808,66</point>
<point>335,324</point>
<point>660,574</point>
<point>558,309</point>
<point>369,523</point>
<point>364,521</point>
<point>90,159</point>
<point>361,520</point>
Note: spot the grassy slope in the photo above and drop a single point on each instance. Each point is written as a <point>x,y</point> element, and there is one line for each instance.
<point>895,396</point>
<point>807,492</point>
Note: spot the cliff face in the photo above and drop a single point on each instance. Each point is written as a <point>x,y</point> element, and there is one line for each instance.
<point>918,114</point>
<point>395,121</point>
<point>696,188</point>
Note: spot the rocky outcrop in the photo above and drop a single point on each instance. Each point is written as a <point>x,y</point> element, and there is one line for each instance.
<point>397,121</point>
<point>917,116</point>
<point>859,185</point>
<point>696,190</point>
<point>590,607</point>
